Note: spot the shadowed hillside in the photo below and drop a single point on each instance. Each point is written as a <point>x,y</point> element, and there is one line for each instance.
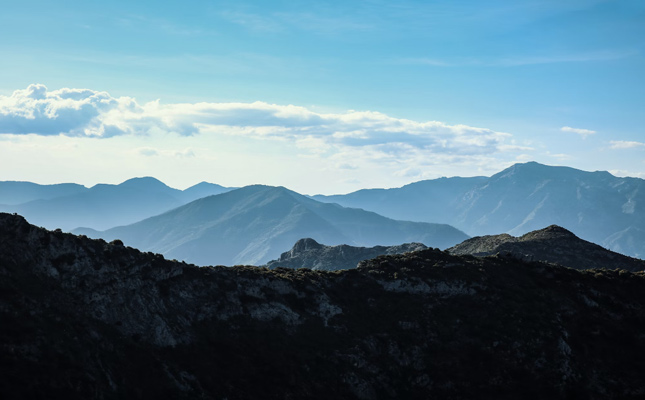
<point>307,253</point>
<point>553,244</point>
<point>87,319</point>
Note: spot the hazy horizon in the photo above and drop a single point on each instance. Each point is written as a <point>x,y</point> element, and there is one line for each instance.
<point>187,186</point>
<point>328,97</point>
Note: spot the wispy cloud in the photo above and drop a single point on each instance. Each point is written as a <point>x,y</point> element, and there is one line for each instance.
<point>604,55</point>
<point>323,23</point>
<point>520,60</point>
<point>146,23</point>
<point>623,144</point>
<point>252,21</point>
<point>559,156</point>
<point>627,174</point>
<point>582,132</point>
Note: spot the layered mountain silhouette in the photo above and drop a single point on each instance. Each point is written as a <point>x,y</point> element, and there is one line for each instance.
<point>86,319</point>
<point>596,206</point>
<point>307,253</point>
<point>13,192</point>
<point>430,200</point>
<point>553,244</point>
<point>100,207</point>
<point>255,224</point>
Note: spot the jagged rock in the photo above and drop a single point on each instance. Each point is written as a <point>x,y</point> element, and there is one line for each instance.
<point>307,253</point>
<point>552,244</point>
<point>87,319</point>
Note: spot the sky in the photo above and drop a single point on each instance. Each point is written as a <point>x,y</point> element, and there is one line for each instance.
<point>320,97</point>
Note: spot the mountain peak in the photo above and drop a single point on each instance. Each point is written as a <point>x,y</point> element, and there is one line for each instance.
<point>550,232</point>
<point>527,168</point>
<point>305,244</point>
<point>146,182</point>
<point>204,184</point>
<point>553,244</point>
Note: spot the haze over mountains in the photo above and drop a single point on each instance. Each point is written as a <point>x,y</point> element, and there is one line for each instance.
<point>250,228</point>
<point>596,206</point>
<point>69,206</point>
<point>255,224</point>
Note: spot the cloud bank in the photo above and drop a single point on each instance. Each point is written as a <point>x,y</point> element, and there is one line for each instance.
<point>94,114</point>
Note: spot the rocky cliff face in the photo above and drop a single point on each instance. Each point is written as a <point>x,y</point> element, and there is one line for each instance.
<point>86,319</point>
<point>307,253</point>
<point>552,244</point>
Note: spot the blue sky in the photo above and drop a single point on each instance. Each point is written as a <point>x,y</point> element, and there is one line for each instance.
<point>261,92</point>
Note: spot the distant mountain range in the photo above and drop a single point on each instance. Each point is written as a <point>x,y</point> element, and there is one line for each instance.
<point>307,253</point>
<point>552,244</point>
<point>255,224</point>
<point>596,206</point>
<point>69,206</point>
<point>86,319</point>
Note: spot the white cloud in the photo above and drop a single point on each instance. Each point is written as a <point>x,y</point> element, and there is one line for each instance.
<point>582,132</point>
<point>623,144</point>
<point>88,113</point>
<point>69,112</point>
<point>269,143</point>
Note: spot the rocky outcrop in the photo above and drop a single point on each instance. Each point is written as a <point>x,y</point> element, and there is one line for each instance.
<point>87,319</point>
<point>552,244</point>
<point>307,253</point>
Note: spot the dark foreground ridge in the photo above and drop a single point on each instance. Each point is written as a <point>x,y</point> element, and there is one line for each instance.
<point>86,319</point>
<point>552,244</point>
<point>307,253</point>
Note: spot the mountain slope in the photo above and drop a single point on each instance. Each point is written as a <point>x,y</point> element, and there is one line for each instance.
<point>307,253</point>
<point>202,189</point>
<point>628,241</point>
<point>104,206</point>
<point>529,196</point>
<point>254,224</point>
<point>13,193</point>
<point>83,319</point>
<point>552,244</point>
<point>426,201</point>
<point>522,198</point>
